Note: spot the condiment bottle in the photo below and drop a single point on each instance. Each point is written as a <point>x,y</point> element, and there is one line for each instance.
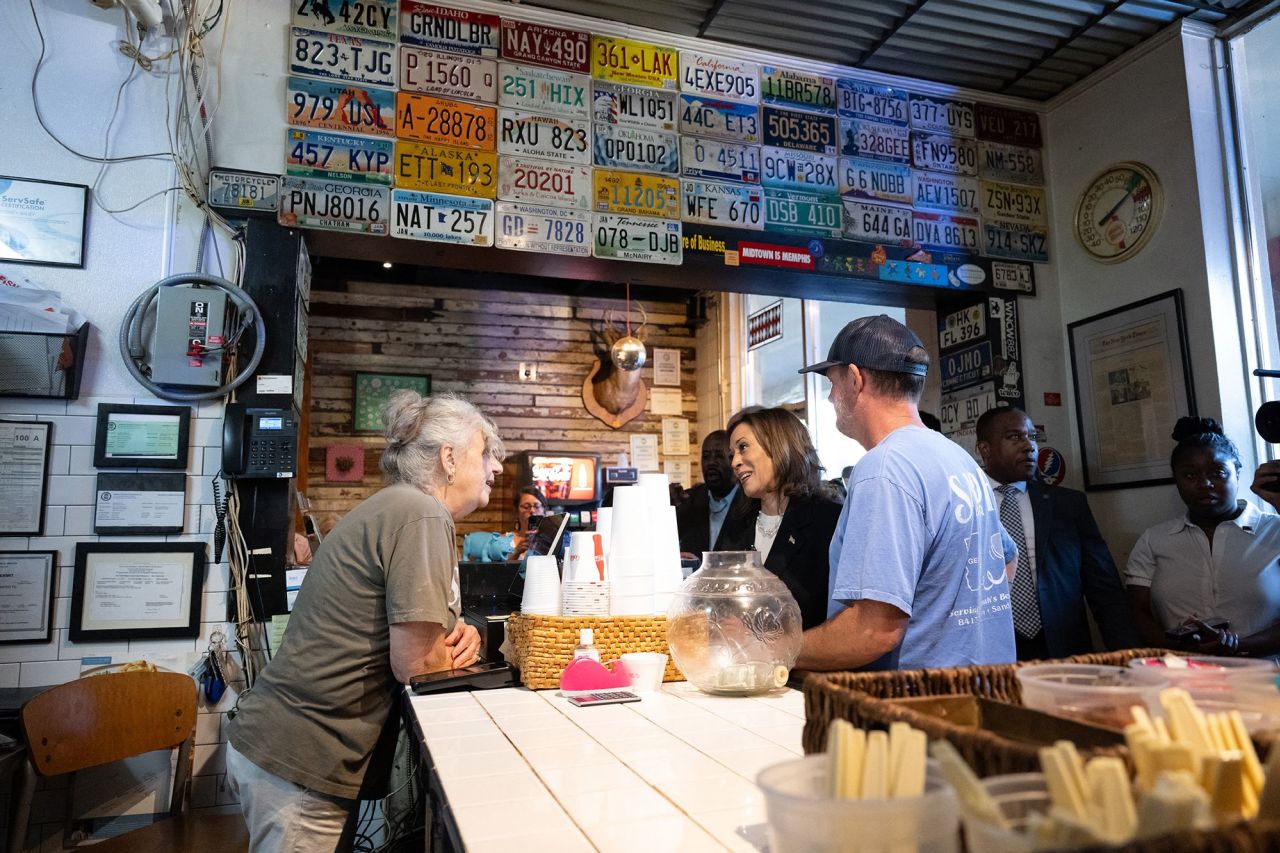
<point>585,647</point>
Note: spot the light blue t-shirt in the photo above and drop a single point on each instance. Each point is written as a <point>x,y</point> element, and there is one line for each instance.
<point>920,530</point>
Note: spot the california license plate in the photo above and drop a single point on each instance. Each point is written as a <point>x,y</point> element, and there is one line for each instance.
<point>952,193</point>
<point>940,115</point>
<point>369,18</point>
<point>944,231</point>
<point>633,106</point>
<point>444,122</point>
<point>568,50</point>
<point>999,162</point>
<point>801,131</point>
<point>720,119</point>
<point>446,169</point>
<point>1009,126</point>
<point>442,218</point>
<point>339,106</point>
<point>792,88</point>
<point>334,205</point>
<point>443,28</point>
<point>859,99</point>
<point>244,190</point>
<point>640,63</point>
<point>727,205</point>
<point>720,161</point>
<point>719,77</point>
<point>868,222</point>
<point>1013,203</point>
<point>636,194</point>
<point>801,213</point>
<point>548,137</point>
<point>944,154</point>
<point>798,170</point>
<point>538,228</point>
<point>875,180</point>
<point>448,75</point>
<point>544,182</point>
<point>320,154</point>
<point>544,90</point>
<point>961,327</point>
<point>1014,241</point>
<point>873,140</point>
<point>336,57</point>
<point>635,238</point>
<point>633,148</point>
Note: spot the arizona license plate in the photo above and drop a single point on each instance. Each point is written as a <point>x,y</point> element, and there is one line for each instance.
<point>336,57</point>
<point>442,28</point>
<point>722,161</point>
<point>537,228</point>
<point>633,106</point>
<point>547,137</point>
<point>369,18</point>
<point>939,115</point>
<point>791,88</point>
<point>858,99</point>
<point>875,180</point>
<point>1012,127</point>
<point>442,218</point>
<point>786,169</point>
<point>1014,241</point>
<point>719,77</point>
<point>727,205</point>
<point>874,140</point>
<point>448,75</point>
<point>640,63</point>
<point>318,154</point>
<point>444,122</point>
<point>334,205</point>
<point>544,90</point>
<point>944,154</point>
<point>944,231</point>
<point>720,119</point>
<point>1013,203</point>
<point>244,190</point>
<point>960,327</point>
<point>868,222</point>
<point>801,213</point>
<point>634,238</point>
<point>632,148</point>
<point>544,182</point>
<point>636,194</point>
<point>446,169</point>
<point>338,106</point>
<point>568,50</point>
<point>801,131</point>
<point>1015,163</point>
<point>946,192</point>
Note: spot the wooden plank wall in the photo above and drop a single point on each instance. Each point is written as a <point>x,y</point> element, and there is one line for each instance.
<point>471,342</point>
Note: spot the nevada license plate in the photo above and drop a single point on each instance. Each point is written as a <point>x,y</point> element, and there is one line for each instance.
<point>943,231</point>
<point>369,18</point>
<point>868,222</point>
<point>442,218</point>
<point>1015,163</point>
<point>946,192</point>
<point>538,228</point>
<point>960,327</point>
<point>789,87</point>
<point>444,122</point>
<point>545,90</point>
<point>244,190</point>
<point>568,50</point>
<point>875,141</point>
<point>319,154</point>
<point>723,161</point>
<point>939,115</point>
<point>446,169</point>
<point>633,106</point>
<point>544,182</point>
<point>801,213</point>
<point>858,99</point>
<point>334,205</point>
<point>727,205</point>
<point>442,28</point>
<point>1013,203</point>
<point>1002,124</point>
<point>874,180</point>
<point>966,367</point>
<point>633,148</point>
<point>636,194</point>
<point>548,137</point>
<point>639,63</point>
<point>448,75</point>
<point>720,119</point>
<point>944,154</point>
<point>801,131</point>
<point>336,57</point>
<point>1014,241</point>
<point>798,170</point>
<point>634,238</point>
<point>336,106</point>
<point>719,77</point>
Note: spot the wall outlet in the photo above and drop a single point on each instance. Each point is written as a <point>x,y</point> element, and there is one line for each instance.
<point>528,371</point>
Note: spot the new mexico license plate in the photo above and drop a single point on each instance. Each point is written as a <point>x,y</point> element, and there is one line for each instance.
<point>633,106</point>
<point>873,140</point>
<point>442,218</point>
<point>633,238</point>
<point>369,18</point>
<point>802,213</point>
<point>547,137</point>
<point>801,131</point>
<point>536,228</point>
<point>335,57</point>
<point>726,205</point>
<point>334,205</point>
<point>442,28</point>
<point>877,181</point>
<point>636,194</point>
<point>341,107</point>
<point>798,170</point>
<point>318,154</point>
<point>721,161</point>
<point>639,63</point>
<point>444,122</point>
<point>719,77</point>
<point>448,75</point>
<point>944,154</point>
<point>867,222</point>
<point>544,182</point>
<point>544,90</point>
<point>446,169</point>
<point>791,88</point>
<point>720,119</point>
<point>946,192</point>
<point>632,148</point>
<point>858,99</point>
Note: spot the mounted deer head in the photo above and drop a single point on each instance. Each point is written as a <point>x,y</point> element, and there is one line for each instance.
<point>613,391</point>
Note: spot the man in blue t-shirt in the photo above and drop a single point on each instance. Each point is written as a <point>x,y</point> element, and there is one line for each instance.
<point>919,561</point>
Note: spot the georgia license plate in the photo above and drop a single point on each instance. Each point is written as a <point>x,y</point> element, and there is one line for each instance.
<point>455,30</point>
<point>442,218</point>
<point>334,205</point>
<point>801,213</point>
<point>721,119</point>
<point>632,148</point>
<point>1014,241</point>
<point>633,106</point>
<point>727,205</point>
<point>859,99</point>
<point>946,192</point>
<point>792,88</point>
<point>1013,203</point>
<point>244,190</point>
<point>318,154</point>
<point>719,77</point>
<point>874,180</point>
<point>944,154</point>
<point>801,131</point>
<point>336,57</point>
<point>568,50</point>
<point>634,238</point>
<point>446,169</point>
<point>369,18</point>
<point>723,161</point>
<point>448,75</point>
<point>548,137</point>
<point>444,122</point>
<point>544,182</point>
<point>639,63</point>
<point>1015,163</point>
<point>960,327</point>
<point>338,106</point>
<point>939,115</point>
<point>786,169</point>
<point>1002,124</point>
<point>944,231</point>
<point>636,194</point>
<point>867,222</point>
<point>538,228</point>
<point>874,140</point>
<point>544,90</point>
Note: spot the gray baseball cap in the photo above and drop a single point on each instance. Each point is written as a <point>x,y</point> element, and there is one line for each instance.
<point>875,343</point>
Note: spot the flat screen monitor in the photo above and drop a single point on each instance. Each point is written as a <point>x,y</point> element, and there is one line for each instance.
<point>566,479</point>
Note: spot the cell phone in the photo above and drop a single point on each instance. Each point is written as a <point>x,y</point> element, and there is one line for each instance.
<point>1183,635</point>
<point>478,676</point>
<point>610,697</point>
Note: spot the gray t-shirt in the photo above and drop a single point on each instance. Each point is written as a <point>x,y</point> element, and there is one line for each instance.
<point>322,712</point>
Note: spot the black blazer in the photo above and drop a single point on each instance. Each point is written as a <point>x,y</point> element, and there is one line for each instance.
<point>693,518</point>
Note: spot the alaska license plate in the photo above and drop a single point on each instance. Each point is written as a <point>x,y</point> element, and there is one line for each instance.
<point>859,99</point>
<point>524,134</point>
<point>634,238</point>
<point>720,161</point>
<point>448,75</point>
<point>538,228</point>
<point>335,57</point>
<point>1013,203</point>
<point>374,19</point>
<point>940,115</point>
<point>633,106</point>
<point>786,169</point>
<point>873,140</point>
<point>999,162</point>
<point>952,193</point>
<point>720,119</point>
<point>639,63</point>
<point>944,154</point>
<point>1009,126</point>
<point>875,180</point>
<point>1016,242</point>
<point>726,205</point>
<point>334,205</point>
<point>442,218</point>
<point>719,77</point>
<point>320,154</point>
<point>443,28</point>
<point>868,222</point>
<point>544,182</point>
<point>790,87</point>
<point>635,194</point>
<point>340,106</point>
<point>961,327</point>
<point>944,231</point>
<point>801,131</point>
<point>544,90</point>
<point>244,190</point>
<point>444,122</point>
<point>445,169</point>
<point>568,50</point>
<point>802,213</point>
<point>633,148</point>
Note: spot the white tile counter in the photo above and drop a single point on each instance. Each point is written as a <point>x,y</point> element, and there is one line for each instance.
<point>675,771</point>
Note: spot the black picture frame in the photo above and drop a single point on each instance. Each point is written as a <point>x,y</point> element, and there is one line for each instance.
<point>113,415</point>
<point>46,561</point>
<point>46,223</point>
<point>182,563</point>
<point>118,490</point>
<point>15,489</point>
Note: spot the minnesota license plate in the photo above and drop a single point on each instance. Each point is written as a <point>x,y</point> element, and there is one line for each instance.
<point>786,169</point>
<point>443,28</point>
<point>544,182</point>
<point>875,180</point>
<point>442,218</point>
<point>944,231</point>
<point>369,18</point>
<point>636,194</point>
<point>800,131</point>
<point>335,57</point>
<point>802,213</point>
<point>334,205</point>
<point>1012,127</point>
<point>944,154</point>
<point>538,228</point>
<point>873,140</point>
<point>633,106</point>
<point>859,99</point>
<point>448,75</point>
<point>965,367</point>
<point>319,154</point>
<point>868,222</point>
<point>568,50</point>
<point>940,115</point>
<point>1013,203</point>
<point>445,169</point>
<point>961,327</point>
<point>951,193</point>
<point>640,63</point>
<point>719,77</point>
<point>632,148</point>
<point>444,122</point>
<point>999,162</point>
<point>634,238</point>
<point>789,87</point>
<point>341,107</point>
<point>727,205</point>
<point>1014,241</point>
<point>244,190</point>
<point>544,90</point>
<point>721,161</point>
<point>547,137</point>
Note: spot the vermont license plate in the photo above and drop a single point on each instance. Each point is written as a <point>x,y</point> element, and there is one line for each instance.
<point>944,154</point>
<point>868,222</point>
<point>634,238</point>
<point>369,18</point>
<point>802,213</point>
<point>636,194</point>
<point>722,161</point>
<point>544,90</point>
<point>1013,203</point>
<point>442,218</point>
<point>727,205</point>
<point>244,190</point>
<point>859,99</point>
<point>568,50</point>
<point>445,169</point>
<point>1014,241</point>
<point>319,154</point>
<point>633,106</point>
<point>334,205</point>
<point>944,231</point>
<point>544,182</point>
<point>874,140</point>
<point>339,106</point>
<point>336,57</point>
<point>632,148</point>
<point>538,228</point>
<point>801,131</point>
<point>798,170</point>
<point>719,77</point>
<point>548,137</point>
<point>443,28</point>
<point>444,122</point>
<point>940,115</point>
<point>448,75</point>
<point>875,180</point>
<point>720,119</point>
<point>792,88</point>
<point>999,162</point>
<point>951,193</point>
<point>640,63</point>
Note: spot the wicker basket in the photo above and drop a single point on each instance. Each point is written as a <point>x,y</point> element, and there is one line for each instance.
<point>542,646</point>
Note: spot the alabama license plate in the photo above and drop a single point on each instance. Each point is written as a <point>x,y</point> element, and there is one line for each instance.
<point>633,106</point>
<point>952,193</point>
<point>720,161</point>
<point>544,182</point>
<point>442,218</point>
<point>999,162</point>
<point>538,228</point>
<point>1009,126</point>
<point>448,75</point>
<point>635,194</point>
<point>374,19</point>
<point>875,180</point>
<point>445,169</point>
<point>1013,203</point>
<point>336,57</point>
<point>944,231</point>
<point>568,50</point>
<point>965,367</point>
<point>444,122</point>
<point>940,115</point>
<point>944,154</point>
<point>859,99</point>
<point>801,131</point>
<point>244,190</point>
<point>802,213</point>
<point>786,169</point>
<point>443,28</point>
<point>632,148</point>
<point>873,140</point>
<point>547,137</point>
<point>334,205</point>
<point>720,119</point>
<point>320,154</point>
<point>719,77</point>
<point>640,63</point>
<point>868,222</point>
<point>1014,241</point>
<point>789,87</point>
<point>339,106</point>
<point>727,205</point>
<point>635,238</point>
<point>544,90</point>
<point>961,327</point>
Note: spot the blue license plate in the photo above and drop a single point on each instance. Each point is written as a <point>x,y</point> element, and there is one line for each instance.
<point>735,122</point>
<point>859,99</point>
<point>966,367</point>
<point>798,130</point>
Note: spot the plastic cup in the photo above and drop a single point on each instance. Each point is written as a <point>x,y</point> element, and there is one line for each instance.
<point>645,669</point>
<point>1019,796</point>
<point>541,586</point>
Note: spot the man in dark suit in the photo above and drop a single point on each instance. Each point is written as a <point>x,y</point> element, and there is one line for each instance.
<point>702,514</point>
<point>1063,562</point>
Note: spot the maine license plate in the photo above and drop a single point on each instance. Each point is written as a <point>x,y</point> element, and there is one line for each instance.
<point>444,122</point>
<point>874,180</point>
<point>859,99</point>
<point>1014,241</point>
<point>244,190</point>
<point>944,231</point>
<point>1013,203</point>
<point>965,367</point>
<point>538,228</point>
<point>633,148</point>
<point>727,205</point>
<point>443,28</point>
<point>720,119</point>
<point>801,213</point>
<point>336,57</point>
<point>633,106</point>
<point>334,205</point>
<point>442,218</point>
<point>1012,127</point>
<point>792,88</point>
<point>944,154</point>
<point>544,182</point>
<point>568,50</point>
<point>633,238</point>
<point>544,90</point>
<point>875,141</point>
<point>719,77</point>
<point>960,327</point>
<point>636,194</point>
<point>319,154</point>
<point>951,193</point>
<point>338,106</point>
<point>999,162</point>
<point>786,169</point>
<point>549,137</point>
<point>448,75</point>
<point>801,131</point>
<point>939,115</point>
<point>369,18</point>
<point>639,63</point>
<point>446,169</point>
<point>868,222</point>
<point>723,161</point>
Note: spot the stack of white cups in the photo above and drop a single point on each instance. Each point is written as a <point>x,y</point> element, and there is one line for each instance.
<point>630,561</point>
<point>541,586</point>
<point>584,591</point>
<point>665,539</point>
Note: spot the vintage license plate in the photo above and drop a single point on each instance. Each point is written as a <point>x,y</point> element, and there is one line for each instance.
<point>1013,203</point>
<point>635,194</point>
<point>320,154</point>
<point>720,119</point>
<point>944,154</point>
<point>544,90</point>
<point>1010,126</point>
<point>802,213</point>
<point>633,148</point>
<point>339,106</point>
<point>538,228</point>
<point>635,238</point>
<point>244,190</point>
<point>444,122</point>
<point>789,87</point>
<point>639,63</point>
<point>875,180</point>
<point>960,411</point>
<point>999,162</point>
<point>1006,276</point>
<point>633,106</point>
<point>859,99</point>
<point>1015,241</point>
<point>568,50</point>
<point>721,161</point>
<point>336,57</point>
<point>444,28</point>
<point>727,205</point>
<point>442,218</point>
<point>719,77</point>
<point>940,115</point>
<point>369,18</point>
<point>961,327</point>
<point>873,140</point>
<point>786,169</point>
<point>544,182</point>
<point>334,205</point>
<point>869,222</point>
<point>801,131</point>
<point>445,169</point>
<point>524,134</point>
<point>944,231</point>
<point>448,75</point>
<point>951,193</point>
<point>965,367</point>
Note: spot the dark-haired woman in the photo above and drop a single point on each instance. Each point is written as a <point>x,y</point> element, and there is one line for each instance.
<point>1218,561</point>
<point>790,518</point>
<point>528,503</point>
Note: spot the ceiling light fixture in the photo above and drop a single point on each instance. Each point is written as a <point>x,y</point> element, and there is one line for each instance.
<point>386,265</point>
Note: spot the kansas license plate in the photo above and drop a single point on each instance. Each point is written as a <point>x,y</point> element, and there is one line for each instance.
<point>859,99</point>
<point>320,154</point>
<point>869,222</point>
<point>873,140</point>
<point>944,231</point>
<point>1013,203</point>
<point>720,161</point>
<point>944,154</point>
<point>786,169</point>
<point>961,327</point>
<point>244,190</point>
<point>999,162</point>
<point>443,28</point>
<point>802,213</point>
<point>1012,127</point>
<point>444,122</point>
<point>544,90</point>
<point>633,148</point>
<point>966,367</point>
<point>544,182</point>
<point>951,193</point>
<point>1014,241</point>
<point>719,77</point>
<point>446,169</point>
<point>341,107</point>
<point>789,87</point>
<point>538,228</point>
<point>568,50</point>
<point>640,63</point>
<point>374,19</point>
<point>633,106</point>
<point>442,218</point>
<point>635,194</point>
<point>727,205</point>
<point>875,180</point>
<point>548,137</point>
<point>800,131</point>
<point>940,115</point>
<point>334,205</point>
<point>336,57</point>
<point>634,238</point>
<point>448,75</point>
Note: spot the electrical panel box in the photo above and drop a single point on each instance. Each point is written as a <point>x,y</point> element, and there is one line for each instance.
<point>190,332</point>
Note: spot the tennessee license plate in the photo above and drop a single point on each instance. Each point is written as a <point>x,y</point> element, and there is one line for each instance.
<point>798,170</point>
<point>636,194</point>
<point>336,57</point>
<point>544,182</point>
<point>1016,242</point>
<point>721,161</point>
<point>951,193</point>
<point>640,63</point>
<point>444,122</point>
<point>727,205</point>
<point>944,231</point>
<point>544,90</point>
<point>998,162</point>
<point>875,180</point>
<point>341,107</point>
<point>944,154</point>
<point>868,222</point>
<point>568,50</point>
<point>442,28</point>
<point>1009,126</point>
<point>1013,203</point>
<point>369,18</point>
<point>445,169</point>
<point>858,99</point>
<point>635,238</point>
<point>633,106</point>
<point>547,137</point>
<point>442,218</point>
<point>334,205</point>
<point>875,140</point>
<point>801,131</point>
<point>632,148</point>
<point>244,190</point>
<point>448,75</point>
<point>719,77</point>
<point>940,115</point>
<point>792,88</point>
<point>802,213</point>
<point>960,327</point>
<point>318,154</point>
<point>720,119</point>
<point>538,228</point>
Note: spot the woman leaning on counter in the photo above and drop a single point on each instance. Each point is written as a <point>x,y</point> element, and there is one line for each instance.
<point>380,604</point>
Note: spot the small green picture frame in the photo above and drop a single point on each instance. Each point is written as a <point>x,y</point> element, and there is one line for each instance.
<point>371,390</point>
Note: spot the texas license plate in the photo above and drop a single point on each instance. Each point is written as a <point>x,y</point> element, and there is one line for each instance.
<point>940,115</point>
<point>874,140</point>
<point>727,205</point>
<point>537,228</point>
<point>442,28</point>
<point>1013,203</point>
<point>544,90</point>
<point>719,77</point>
<point>445,169</point>
<point>801,131</point>
<point>868,222</point>
<point>786,169</point>
<point>1009,126</point>
<point>951,193</point>
<point>334,205</point>
<point>319,154</point>
<point>722,161</point>
<point>640,63</point>
<point>636,194</point>
<point>369,18</point>
<point>448,75</point>
<point>548,137</point>
<point>1015,163</point>
<point>965,367</point>
<point>444,122</point>
<point>801,213</point>
<point>1014,241</point>
<point>544,182</point>
<point>944,231</point>
<point>944,154</point>
<point>960,327</point>
<point>633,106</point>
<point>634,238</point>
<point>720,119</point>
<point>792,88</point>
<point>568,50</point>
<point>244,190</point>
<point>339,106</point>
<point>632,148</point>
<point>336,57</point>
<point>859,99</point>
<point>442,218</point>
<point>877,181</point>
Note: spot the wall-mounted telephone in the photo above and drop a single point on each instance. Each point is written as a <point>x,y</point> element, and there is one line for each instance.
<point>258,442</point>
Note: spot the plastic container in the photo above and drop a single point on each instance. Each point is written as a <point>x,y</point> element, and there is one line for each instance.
<point>1019,796</point>
<point>1218,684</point>
<point>803,819</point>
<point>1095,694</point>
<point>646,670</point>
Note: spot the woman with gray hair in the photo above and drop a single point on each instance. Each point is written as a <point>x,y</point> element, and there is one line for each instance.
<point>380,604</point>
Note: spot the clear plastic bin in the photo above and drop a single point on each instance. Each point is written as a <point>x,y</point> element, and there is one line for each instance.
<point>1219,684</point>
<point>1019,796</point>
<point>1100,695</point>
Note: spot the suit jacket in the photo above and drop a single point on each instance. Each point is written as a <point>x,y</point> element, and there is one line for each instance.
<point>693,518</point>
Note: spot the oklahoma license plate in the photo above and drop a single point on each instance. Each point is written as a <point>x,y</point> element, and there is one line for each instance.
<point>874,140</point>
<point>1014,241</point>
<point>568,50</point>
<point>444,122</point>
<point>1013,203</point>
<point>537,228</point>
<point>442,218</point>
<point>544,90</point>
<point>445,169</point>
<point>944,154</point>
<point>943,231</point>
<point>369,18</point>
<point>859,99</point>
<point>868,222</point>
<point>801,131</point>
<point>633,106</point>
<point>874,180</point>
<point>544,182</point>
<point>336,57</point>
<point>798,170</point>
<point>802,213</point>
<point>719,77</point>
<point>319,154</point>
<point>940,115</point>
<point>448,75</point>
<point>633,148</point>
<point>727,205</point>
<point>334,205</point>
<point>999,162</point>
<point>951,193</point>
<point>720,161</point>
<point>640,63</point>
<point>339,106</point>
<point>547,137</point>
<point>635,194</point>
<point>443,28</point>
<point>792,88</point>
<point>721,119</point>
<point>634,238</point>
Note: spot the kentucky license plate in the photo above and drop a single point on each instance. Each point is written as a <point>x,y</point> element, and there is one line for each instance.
<point>445,169</point>
<point>568,50</point>
<point>317,154</point>
<point>544,182</point>
<point>244,190</point>
<point>939,115</point>
<point>798,170</point>
<point>442,218</point>
<point>789,87</point>
<point>550,230</point>
<point>874,140</point>
<point>944,154</point>
<point>874,180</point>
<point>801,131</point>
<point>636,194</point>
<point>632,148</point>
<point>448,75</point>
<point>943,231</point>
<point>998,162</point>
<point>443,28</point>
<point>369,18</point>
<point>334,205</point>
<point>719,77</point>
<point>722,161</point>
<point>633,238</point>
<point>342,107</point>
<point>726,205</point>
<point>859,99</point>
<point>336,57</point>
<point>876,223</point>
<point>801,213</point>
<point>633,106</point>
<point>639,63</point>
<point>547,137</point>
<point>720,119</point>
<point>1014,241</point>
<point>544,90</point>
<point>1013,203</point>
<point>444,122</point>
<point>946,192</point>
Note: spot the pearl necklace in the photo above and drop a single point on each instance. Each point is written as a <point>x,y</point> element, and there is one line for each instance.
<point>768,528</point>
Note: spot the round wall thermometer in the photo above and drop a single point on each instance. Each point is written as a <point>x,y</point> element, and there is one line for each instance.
<point>1118,211</point>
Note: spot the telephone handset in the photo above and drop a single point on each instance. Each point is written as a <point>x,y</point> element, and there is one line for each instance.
<point>258,442</point>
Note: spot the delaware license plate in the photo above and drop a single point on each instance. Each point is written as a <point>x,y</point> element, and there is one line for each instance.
<point>965,367</point>
<point>444,122</point>
<point>547,137</point>
<point>442,218</point>
<point>374,19</point>
<point>875,180</point>
<point>336,57</point>
<point>633,238</point>
<point>719,77</point>
<point>537,228</point>
<point>961,327</point>
<point>632,148</point>
<point>868,222</point>
<point>334,205</point>
<point>446,169</point>
<point>801,131</point>
<point>319,154</point>
<point>342,107</point>
<point>639,63</point>
<point>544,182</point>
<point>951,193</point>
<point>545,90</point>
<point>720,119</point>
<point>727,205</point>
<point>1013,203</point>
<point>723,161</point>
<point>798,170</point>
<point>244,190</point>
<point>944,231</point>
<point>568,50</point>
<point>791,88</point>
<point>448,75</point>
<point>1015,163</point>
<point>633,106</point>
<point>858,99</point>
<point>1014,241</point>
<point>802,213</point>
<point>1012,127</point>
<point>944,154</point>
<point>939,115</point>
<point>636,194</point>
<point>442,28</point>
<point>873,140</point>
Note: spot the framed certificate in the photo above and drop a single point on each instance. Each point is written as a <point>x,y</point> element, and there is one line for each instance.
<point>28,580</point>
<point>137,590</point>
<point>42,222</point>
<point>141,436</point>
<point>129,504</point>
<point>24,476</point>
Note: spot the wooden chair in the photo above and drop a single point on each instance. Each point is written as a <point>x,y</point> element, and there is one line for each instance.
<point>105,718</point>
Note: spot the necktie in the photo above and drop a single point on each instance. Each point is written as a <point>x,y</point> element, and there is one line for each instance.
<point>1026,607</point>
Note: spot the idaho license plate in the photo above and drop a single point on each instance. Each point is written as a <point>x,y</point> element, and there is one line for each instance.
<point>369,18</point>
<point>944,231</point>
<point>442,218</point>
<point>632,148</point>
<point>568,50</point>
<point>951,193</point>
<point>789,87</point>
<point>636,194</point>
<point>1014,241</point>
<point>634,238</point>
<point>940,115</point>
<point>868,222</point>
<point>721,161</point>
<point>960,327</point>
<point>998,162</point>
<point>726,205</point>
<point>720,119</point>
<point>336,57</point>
<point>548,137</point>
<point>544,90</point>
<point>317,154</point>
<point>334,205</point>
<point>244,190</point>
<point>719,77</point>
<point>859,99</point>
<point>944,154</point>
<point>446,169</point>
<point>338,106</point>
<point>875,180</point>
<point>544,182</point>
<point>786,169</point>
<point>640,63</point>
<point>538,228</point>
<point>444,122</point>
<point>448,75</point>
<point>801,131</point>
<point>802,213</point>
<point>442,28</point>
<point>1013,203</point>
<point>873,140</point>
<point>633,106</point>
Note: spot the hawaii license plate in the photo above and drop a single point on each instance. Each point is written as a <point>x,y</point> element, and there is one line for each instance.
<point>786,169</point>
<point>1002,124</point>
<point>944,154</point>
<point>719,77</point>
<point>338,106</point>
<point>544,182</point>
<point>633,106</point>
<point>244,190</point>
<point>944,231</point>
<point>369,18</point>
<point>868,222</point>
<point>721,119</point>
<point>801,131</point>
<point>640,63</point>
<point>442,28</point>
<point>444,122</point>
<point>951,193</point>
<point>875,180</point>
<point>568,50</point>
<point>723,161</point>
<point>548,137</point>
<point>636,194</point>
<point>1015,163</point>
<point>727,205</point>
<point>334,205</point>
<point>801,213</point>
<point>448,75</point>
<point>1015,241</point>
<point>939,115</point>
<point>544,90</point>
<point>874,140</point>
<point>446,169</point>
<point>319,154</point>
<point>791,88</point>
<point>635,238</point>
<point>859,99</point>
<point>442,218</point>
<point>336,57</point>
<point>633,148</point>
<point>538,228</point>
<point>1013,203</point>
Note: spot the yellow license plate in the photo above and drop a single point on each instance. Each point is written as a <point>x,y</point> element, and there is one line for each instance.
<point>445,169</point>
<point>635,194</point>
<point>636,62</point>
<point>445,122</point>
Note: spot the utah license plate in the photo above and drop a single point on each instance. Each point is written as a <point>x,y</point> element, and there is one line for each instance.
<point>722,161</point>
<point>442,28</point>
<point>719,77</point>
<point>448,75</point>
<point>318,154</point>
<point>876,223</point>
<point>548,137</point>
<point>444,122</point>
<point>369,18</point>
<point>640,63</point>
<point>442,218</point>
<point>943,231</point>
<point>952,193</point>
<point>726,205</point>
<point>1015,163</point>
<point>336,57</point>
<point>636,194</point>
<point>544,182</point>
<point>793,88</point>
<point>632,148</point>
<point>634,238</point>
<point>801,213</point>
<point>338,106</point>
<point>875,140</point>
<point>544,90</point>
<point>1017,242</point>
<point>446,169</point>
<point>538,228</point>
<point>568,50</point>
<point>633,106</point>
<point>859,99</point>
<point>801,131</point>
<point>334,205</point>
<point>798,170</point>
<point>720,119</point>
<point>878,181</point>
<point>1013,203</point>
<point>944,154</point>
<point>939,115</point>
